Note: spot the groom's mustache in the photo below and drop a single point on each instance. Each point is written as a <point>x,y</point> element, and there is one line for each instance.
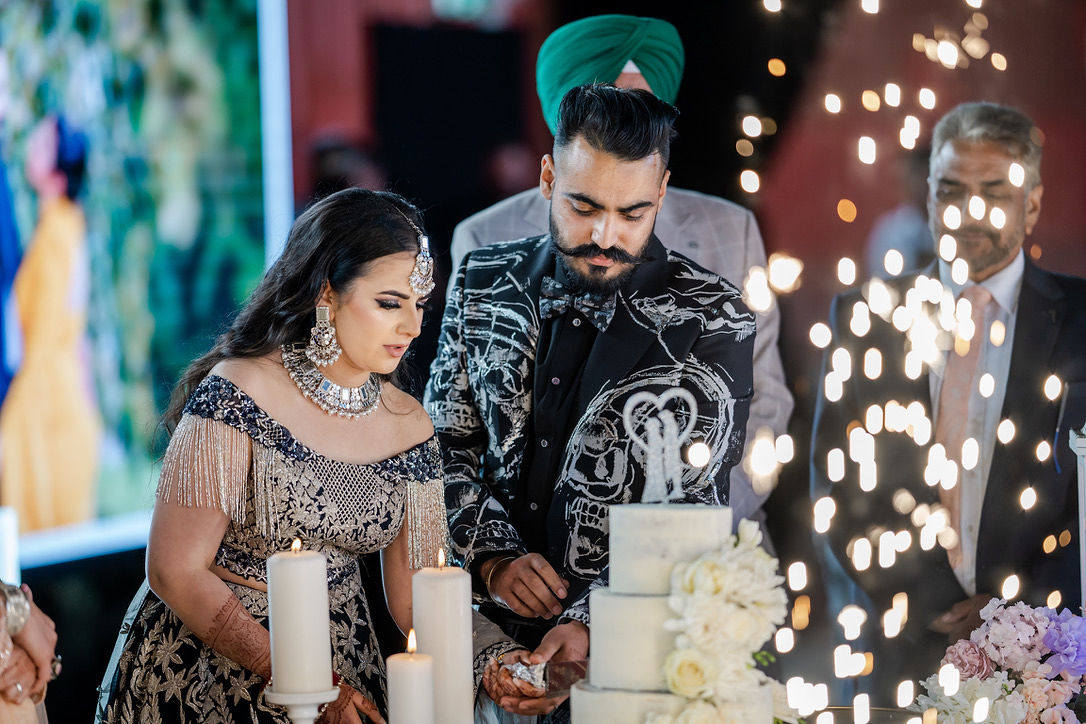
<point>590,250</point>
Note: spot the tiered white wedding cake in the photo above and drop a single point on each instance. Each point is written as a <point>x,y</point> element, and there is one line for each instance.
<point>630,642</point>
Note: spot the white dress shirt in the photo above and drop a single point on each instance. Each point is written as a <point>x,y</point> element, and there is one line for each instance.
<point>984,413</point>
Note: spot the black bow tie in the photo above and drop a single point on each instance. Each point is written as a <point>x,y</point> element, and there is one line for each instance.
<point>555,299</point>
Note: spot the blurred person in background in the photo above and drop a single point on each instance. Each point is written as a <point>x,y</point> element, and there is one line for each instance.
<point>49,427</point>
<point>28,660</point>
<point>992,427</point>
<point>10,256</point>
<point>905,227</point>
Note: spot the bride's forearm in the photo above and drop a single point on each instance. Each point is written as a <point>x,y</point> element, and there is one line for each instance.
<point>210,609</point>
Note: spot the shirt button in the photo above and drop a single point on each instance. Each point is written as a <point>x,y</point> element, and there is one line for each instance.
<point>543,443</point>
<point>534,506</point>
<point>576,322</point>
<point>555,381</point>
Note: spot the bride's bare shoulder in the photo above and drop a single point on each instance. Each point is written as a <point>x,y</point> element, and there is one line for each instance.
<point>409,415</point>
<point>255,376</point>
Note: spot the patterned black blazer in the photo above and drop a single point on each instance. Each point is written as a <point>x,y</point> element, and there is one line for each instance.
<point>675,324</point>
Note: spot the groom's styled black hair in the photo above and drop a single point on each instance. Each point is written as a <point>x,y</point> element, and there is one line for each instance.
<point>629,123</point>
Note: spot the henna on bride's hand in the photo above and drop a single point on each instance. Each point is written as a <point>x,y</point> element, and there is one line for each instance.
<point>368,708</point>
<point>237,635</point>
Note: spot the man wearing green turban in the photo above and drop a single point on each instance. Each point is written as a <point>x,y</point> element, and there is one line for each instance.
<point>719,235</point>
<point>602,49</point>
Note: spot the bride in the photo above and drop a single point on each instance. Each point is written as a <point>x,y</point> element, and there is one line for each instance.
<point>292,426</point>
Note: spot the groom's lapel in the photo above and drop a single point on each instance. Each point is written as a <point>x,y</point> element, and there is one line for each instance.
<point>618,350</point>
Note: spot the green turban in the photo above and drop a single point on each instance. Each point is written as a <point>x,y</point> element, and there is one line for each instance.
<point>595,49</point>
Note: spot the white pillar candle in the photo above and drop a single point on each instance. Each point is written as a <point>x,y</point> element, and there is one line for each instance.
<point>9,546</point>
<point>301,647</point>
<point>411,686</point>
<point>441,614</point>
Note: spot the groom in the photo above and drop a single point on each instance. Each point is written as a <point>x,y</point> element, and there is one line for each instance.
<point>543,341</point>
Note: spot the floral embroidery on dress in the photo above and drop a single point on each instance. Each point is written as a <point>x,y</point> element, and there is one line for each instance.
<point>161,672</point>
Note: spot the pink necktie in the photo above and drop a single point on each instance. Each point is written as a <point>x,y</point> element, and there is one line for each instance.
<point>959,380</point>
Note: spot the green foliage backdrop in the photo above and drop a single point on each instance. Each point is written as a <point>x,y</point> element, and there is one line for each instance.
<point>167,92</point>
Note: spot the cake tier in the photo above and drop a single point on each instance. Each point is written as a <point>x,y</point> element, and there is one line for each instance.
<point>628,641</point>
<point>591,705</point>
<point>648,540</point>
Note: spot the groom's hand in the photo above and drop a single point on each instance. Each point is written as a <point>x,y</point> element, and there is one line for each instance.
<point>565,642</point>
<point>528,585</point>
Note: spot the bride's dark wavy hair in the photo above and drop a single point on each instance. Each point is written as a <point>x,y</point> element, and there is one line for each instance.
<point>334,240</point>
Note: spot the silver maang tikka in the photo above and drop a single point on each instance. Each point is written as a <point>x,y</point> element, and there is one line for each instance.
<point>421,278</point>
<point>323,348</point>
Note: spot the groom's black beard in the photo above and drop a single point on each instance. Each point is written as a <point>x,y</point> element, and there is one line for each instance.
<point>595,283</point>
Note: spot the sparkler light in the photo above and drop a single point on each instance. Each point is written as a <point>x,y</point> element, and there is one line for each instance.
<point>893,262</point>
<point>905,694</point>
<point>846,211</point>
<point>950,679</point>
<point>1053,387</point>
<point>1028,498</point>
<point>752,126</point>
<point>948,246</point>
<point>1054,599</point>
<point>891,93</point>
<point>825,508</point>
<point>1005,432</point>
<point>872,363</point>
<point>926,98</point>
<point>865,150</point>
<point>870,100</point>
<point>846,271</point>
<point>952,219</point>
<point>1044,451</point>
<point>1016,174</point>
<point>749,181</point>
<point>797,576</point>
<point>999,61</point>
<point>821,336</point>
<point>773,6</point>
<point>1010,587</point>
<point>785,640</point>
<point>832,102</point>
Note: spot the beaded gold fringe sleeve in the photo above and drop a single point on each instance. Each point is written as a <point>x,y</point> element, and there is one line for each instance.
<point>427,524</point>
<point>208,464</point>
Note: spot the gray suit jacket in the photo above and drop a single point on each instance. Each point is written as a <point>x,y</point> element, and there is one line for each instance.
<point>719,235</point>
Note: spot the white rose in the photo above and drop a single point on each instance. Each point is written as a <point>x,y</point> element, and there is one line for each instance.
<point>698,712</point>
<point>689,673</point>
<point>708,577</point>
<point>750,533</point>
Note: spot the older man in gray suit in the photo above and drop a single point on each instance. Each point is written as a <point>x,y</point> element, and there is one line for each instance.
<point>719,235</point>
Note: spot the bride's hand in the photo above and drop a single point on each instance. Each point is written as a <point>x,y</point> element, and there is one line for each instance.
<point>350,708</point>
<point>499,683</point>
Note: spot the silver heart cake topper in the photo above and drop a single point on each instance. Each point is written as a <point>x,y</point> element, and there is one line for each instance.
<point>648,415</point>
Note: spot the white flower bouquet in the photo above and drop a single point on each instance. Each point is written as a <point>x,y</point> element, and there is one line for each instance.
<point>727,605</point>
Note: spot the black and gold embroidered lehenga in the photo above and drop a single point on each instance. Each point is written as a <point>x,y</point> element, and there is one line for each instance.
<point>228,453</point>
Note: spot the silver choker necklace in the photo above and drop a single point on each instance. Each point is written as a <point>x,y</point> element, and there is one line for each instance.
<point>349,402</point>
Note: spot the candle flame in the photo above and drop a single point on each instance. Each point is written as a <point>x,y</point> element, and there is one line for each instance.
<point>412,643</point>
<point>441,558</point>
<point>296,545</point>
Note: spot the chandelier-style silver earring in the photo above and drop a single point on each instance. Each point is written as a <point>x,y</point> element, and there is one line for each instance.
<point>323,348</point>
